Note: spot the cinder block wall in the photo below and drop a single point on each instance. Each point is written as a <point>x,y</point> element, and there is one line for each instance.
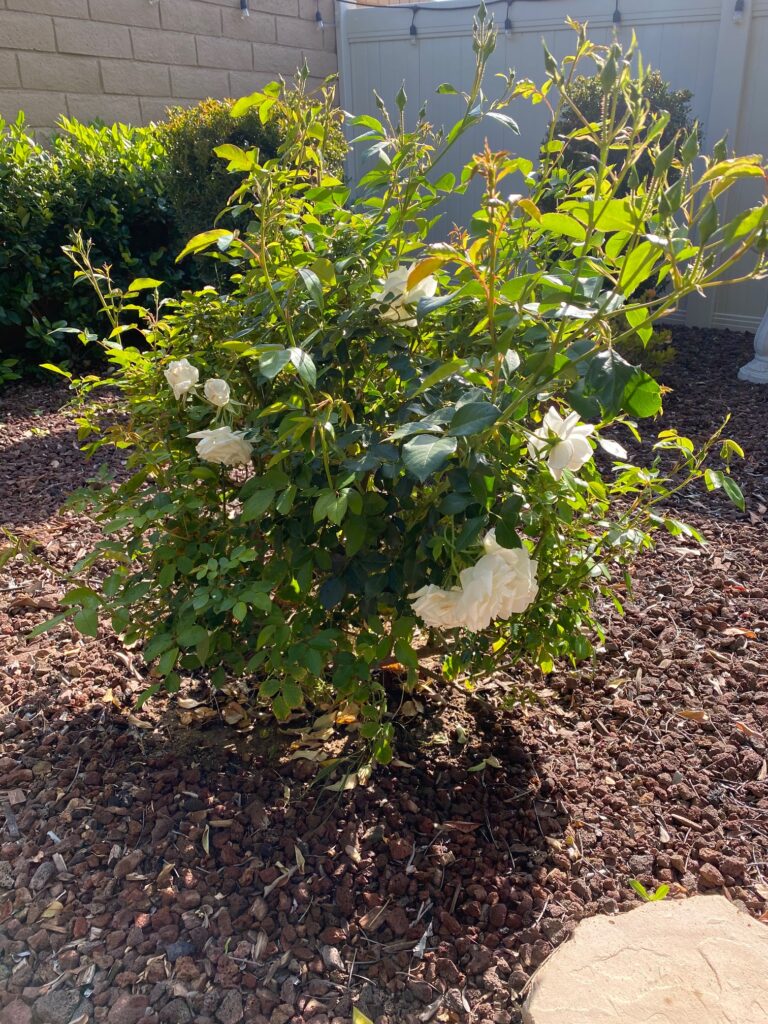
<point>129,60</point>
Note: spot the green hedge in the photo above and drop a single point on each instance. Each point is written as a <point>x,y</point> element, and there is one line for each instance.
<point>137,193</point>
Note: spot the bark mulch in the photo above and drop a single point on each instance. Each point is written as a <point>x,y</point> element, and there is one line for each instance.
<point>162,865</point>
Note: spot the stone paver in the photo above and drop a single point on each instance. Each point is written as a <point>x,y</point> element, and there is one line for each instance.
<point>695,961</point>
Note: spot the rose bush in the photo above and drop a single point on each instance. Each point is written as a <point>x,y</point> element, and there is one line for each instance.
<point>405,447</point>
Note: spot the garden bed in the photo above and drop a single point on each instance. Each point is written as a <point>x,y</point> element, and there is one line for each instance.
<point>166,859</point>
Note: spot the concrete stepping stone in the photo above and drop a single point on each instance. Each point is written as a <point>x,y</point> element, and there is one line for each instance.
<point>694,961</point>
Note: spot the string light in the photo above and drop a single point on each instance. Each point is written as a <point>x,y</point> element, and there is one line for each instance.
<point>617,14</point>
<point>319,23</point>
<point>244,9</point>
<point>413,31</point>
<point>508,21</point>
<point>738,11</point>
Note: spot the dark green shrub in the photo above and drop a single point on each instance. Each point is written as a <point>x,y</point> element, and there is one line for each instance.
<point>590,97</point>
<point>199,183</point>
<point>136,193</point>
<point>106,181</point>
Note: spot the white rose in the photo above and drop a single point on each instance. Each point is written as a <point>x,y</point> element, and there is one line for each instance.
<point>223,446</point>
<point>437,607</point>
<point>397,296</point>
<point>182,376</point>
<point>217,391</point>
<point>500,584</point>
<point>563,440</point>
<point>516,586</point>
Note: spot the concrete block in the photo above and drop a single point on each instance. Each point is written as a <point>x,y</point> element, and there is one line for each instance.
<point>243,83</point>
<point>258,28</point>
<point>199,83</point>
<point>40,108</point>
<point>105,108</point>
<point>9,70</point>
<point>22,31</point>
<point>135,77</point>
<point>279,59</point>
<point>154,109</point>
<point>126,12</point>
<point>92,37</point>
<point>59,71</point>
<point>66,8</point>
<point>231,54</point>
<point>190,16</point>
<point>164,47</point>
<point>299,32</point>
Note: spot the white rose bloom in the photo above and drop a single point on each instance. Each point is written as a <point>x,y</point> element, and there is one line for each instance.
<point>217,391</point>
<point>500,584</point>
<point>223,446</point>
<point>396,296</point>
<point>563,440</point>
<point>437,607</point>
<point>517,586</point>
<point>182,376</point>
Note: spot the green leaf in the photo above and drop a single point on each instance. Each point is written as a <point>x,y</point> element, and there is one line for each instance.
<point>473,418</point>
<point>642,395</point>
<point>443,371</point>
<point>355,530</point>
<point>331,506</point>
<point>292,694</point>
<point>734,492</point>
<point>304,365</point>
<point>44,627</point>
<point>256,505</point>
<point>562,224</point>
<point>312,284</point>
<point>140,283</point>
<point>332,592</point>
<point>358,1017</point>
<point>638,267</point>
<point>87,621</point>
<point>607,375</point>
<point>240,611</point>
<point>239,159</point>
<point>638,319</point>
<point>424,455</point>
<point>447,89</point>
<point>273,361</point>
<point>204,241</point>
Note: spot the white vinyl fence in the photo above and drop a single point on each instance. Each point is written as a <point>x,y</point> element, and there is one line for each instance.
<point>713,47</point>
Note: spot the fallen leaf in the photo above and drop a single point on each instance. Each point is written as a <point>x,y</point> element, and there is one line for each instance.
<point>746,729</point>
<point>461,826</point>
<point>205,840</point>
<point>740,631</point>
<point>373,919</point>
<point>52,909</point>
<point>138,723</point>
<point>694,715</point>
<point>234,713</point>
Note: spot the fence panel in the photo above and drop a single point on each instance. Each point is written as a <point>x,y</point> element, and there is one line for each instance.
<point>696,44</point>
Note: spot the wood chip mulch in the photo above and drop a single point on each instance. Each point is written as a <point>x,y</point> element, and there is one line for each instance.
<point>163,866</point>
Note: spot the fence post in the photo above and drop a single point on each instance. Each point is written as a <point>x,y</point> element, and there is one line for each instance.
<point>727,89</point>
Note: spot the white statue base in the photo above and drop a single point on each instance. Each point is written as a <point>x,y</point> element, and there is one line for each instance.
<point>757,370</point>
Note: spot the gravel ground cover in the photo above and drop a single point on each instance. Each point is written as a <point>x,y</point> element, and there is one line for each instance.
<point>180,863</point>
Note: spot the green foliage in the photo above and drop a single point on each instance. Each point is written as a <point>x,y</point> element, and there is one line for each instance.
<point>653,355</point>
<point>199,183</point>
<point>372,448</point>
<point>136,193</point>
<point>649,897</point>
<point>105,181</point>
<point>592,97</point>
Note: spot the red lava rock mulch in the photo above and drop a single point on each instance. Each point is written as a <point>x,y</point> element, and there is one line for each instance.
<point>155,872</point>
